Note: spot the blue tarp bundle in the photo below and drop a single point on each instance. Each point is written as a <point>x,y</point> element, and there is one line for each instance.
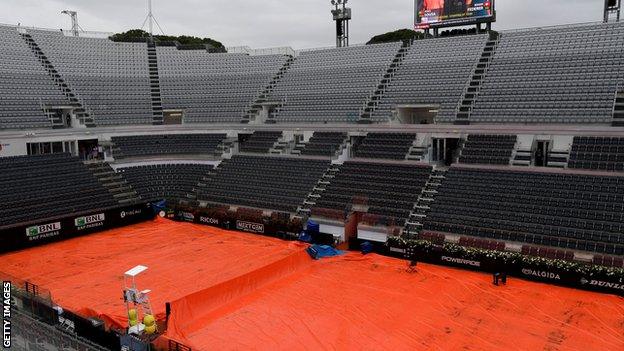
<point>159,206</point>
<point>311,229</point>
<point>321,251</point>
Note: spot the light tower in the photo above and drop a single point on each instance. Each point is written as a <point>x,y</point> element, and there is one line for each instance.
<point>342,16</point>
<point>612,7</point>
<point>150,20</point>
<point>74,20</point>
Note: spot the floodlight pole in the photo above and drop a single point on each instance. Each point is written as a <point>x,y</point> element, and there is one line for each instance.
<point>612,7</point>
<point>150,18</point>
<point>74,19</point>
<point>342,16</point>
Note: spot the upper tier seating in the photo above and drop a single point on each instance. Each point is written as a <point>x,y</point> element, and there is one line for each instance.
<point>260,142</point>
<point>385,145</point>
<point>332,85</point>
<point>47,186</point>
<point>168,144</point>
<point>572,211</point>
<point>165,181</point>
<point>24,85</point>
<point>323,144</point>
<point>488,149</point>
<point>213,88</point>
<point>556,75</point>
<point>274,183</point>
<point>435,71</point>
<point>111,79</point>
<point>605,154</point>
<point>390,190</point>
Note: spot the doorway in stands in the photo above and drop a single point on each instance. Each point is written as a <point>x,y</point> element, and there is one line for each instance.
<point>173,116</point>
<point>445,150</point>
<point>541,153</point>
<point>416,114</point>
<point>89,150</point>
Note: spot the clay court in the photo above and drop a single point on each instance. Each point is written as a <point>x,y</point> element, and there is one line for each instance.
<point>231,290</point>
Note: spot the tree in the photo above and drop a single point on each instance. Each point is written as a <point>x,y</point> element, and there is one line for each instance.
<point>398,35</point>
<point>135,35</point>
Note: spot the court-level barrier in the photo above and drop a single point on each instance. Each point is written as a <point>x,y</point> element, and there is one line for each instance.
<point>19,237</point>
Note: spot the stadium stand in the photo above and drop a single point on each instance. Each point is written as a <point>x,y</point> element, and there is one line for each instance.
<point>260,142</point>
<point>274,183</point>
<point>165,181</point>
<point>25,86</point>
<point>564,210</point>
<point>388,189</point>
<point>111,79</point>
<point>323,144</point>
<point>167,144</point>
<point>332,85</point>
<point>488,149</point>
<point>47,186</point>
<point>385,145</point>
<point>553,75</point>
<point>213,88</point>
<point>597,153</point>
<point>434,72</point>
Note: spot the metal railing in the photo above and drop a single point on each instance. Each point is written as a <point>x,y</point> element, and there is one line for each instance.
<point>281,50</point>
<point>65,32</point>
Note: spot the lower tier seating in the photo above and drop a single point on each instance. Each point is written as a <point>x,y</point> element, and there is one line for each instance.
<point>390,190</point>
<point>165,181</point>
<point>48,186</point>
<point>488,149</point>
<point>274,183</point>
<point>565,210</point>
<point>169,144</point>
<point>260,142</point>
<point>597,153</point>
<point>324,144</point>
<point>392,146</point>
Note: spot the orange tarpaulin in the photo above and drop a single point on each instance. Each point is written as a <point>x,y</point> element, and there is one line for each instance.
<point>235,291</point>
<point>86,274</point>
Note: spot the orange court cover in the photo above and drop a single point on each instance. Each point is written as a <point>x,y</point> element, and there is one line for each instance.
<point>236,291</point>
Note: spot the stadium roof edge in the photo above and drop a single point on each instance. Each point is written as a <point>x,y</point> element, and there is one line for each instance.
<point>66,32</point>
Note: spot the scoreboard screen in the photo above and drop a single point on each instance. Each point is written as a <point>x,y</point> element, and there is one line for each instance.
<point>446,13</point>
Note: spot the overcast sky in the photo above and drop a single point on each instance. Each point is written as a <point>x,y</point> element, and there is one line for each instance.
<point>269,23</point>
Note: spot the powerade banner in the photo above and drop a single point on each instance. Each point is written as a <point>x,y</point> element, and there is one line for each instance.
<point>441,13</point>
<point>604,283</point>
<point>71,226</point>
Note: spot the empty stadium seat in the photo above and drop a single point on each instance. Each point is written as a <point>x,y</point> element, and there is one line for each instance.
<point>388,189</point>
<point>564,210</point>
<point>48,186</point>
<point>266,182</point>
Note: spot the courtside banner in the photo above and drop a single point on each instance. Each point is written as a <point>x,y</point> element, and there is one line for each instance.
<point>74,225</point>
<point>611,284</point>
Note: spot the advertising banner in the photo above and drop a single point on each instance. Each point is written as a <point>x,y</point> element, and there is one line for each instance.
<point>611,284</point>
<point>53,230</point>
